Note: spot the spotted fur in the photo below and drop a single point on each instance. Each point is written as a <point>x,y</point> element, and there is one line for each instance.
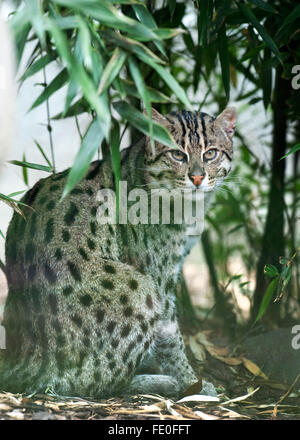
<point>90,305</point>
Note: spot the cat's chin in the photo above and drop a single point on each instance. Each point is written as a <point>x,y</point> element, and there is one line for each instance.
<point>197,194</point>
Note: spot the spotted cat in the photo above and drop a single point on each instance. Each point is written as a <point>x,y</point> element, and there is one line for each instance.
<point>89,304</point>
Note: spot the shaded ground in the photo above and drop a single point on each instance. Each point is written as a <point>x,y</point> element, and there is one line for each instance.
<point>244,392</point>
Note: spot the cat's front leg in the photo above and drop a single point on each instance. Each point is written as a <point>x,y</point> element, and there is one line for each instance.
<point>169,352</point>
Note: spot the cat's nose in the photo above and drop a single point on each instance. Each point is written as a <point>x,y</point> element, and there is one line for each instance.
<point>197,180</point>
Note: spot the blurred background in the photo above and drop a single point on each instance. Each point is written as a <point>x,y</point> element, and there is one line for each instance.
<point>204,55</point>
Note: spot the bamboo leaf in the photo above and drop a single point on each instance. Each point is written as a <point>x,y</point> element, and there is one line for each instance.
<point>73,86</point>
<point>172,6</point>
<point>20,24</point>
<point>43,154</point>
<point>112,69</point>
<point>24,172</point>
<point>35,10</point>
<point>37,66</point>
<point>155,95</point>
<point>97,62</point>
<point>33,166</point>
<point>132,46</point>
<point>85,42</point>
<point>293,15</point>
<point>224,59</point>
<point>260,29</point>
<point>165,33</point>
<point>76,70</point>
<point>79,107</point>
<point>90,144</point>
<point>271,271</point>
<point>267,298</point>
<point>139,121</point>
<point>17,193</point>
<point>108,15</point>
<point>57,83</point>
<point>261,4</point>
<point>146,18</point>
<point>143,92</point>
<point>266,78</point>
<point>172,83</point>
<point>292,150</point>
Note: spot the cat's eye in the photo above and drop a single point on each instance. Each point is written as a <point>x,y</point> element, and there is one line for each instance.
<point>178,155</point>
<point>211,154</point>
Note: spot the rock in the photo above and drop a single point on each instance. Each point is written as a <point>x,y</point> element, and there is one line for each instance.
<point>276,353</point>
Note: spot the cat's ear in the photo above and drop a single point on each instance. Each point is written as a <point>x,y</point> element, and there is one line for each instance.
<point>227,120</point>
<point>157,117</point>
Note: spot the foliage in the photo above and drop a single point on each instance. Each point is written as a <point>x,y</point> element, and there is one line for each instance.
<point>118,57</point>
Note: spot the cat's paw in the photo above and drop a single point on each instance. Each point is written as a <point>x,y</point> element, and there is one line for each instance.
<point>153,383</point>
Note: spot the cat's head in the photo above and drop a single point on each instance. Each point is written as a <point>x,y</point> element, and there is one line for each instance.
<point>204,154</point>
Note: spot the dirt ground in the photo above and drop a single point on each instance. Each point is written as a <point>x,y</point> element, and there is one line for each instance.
<point>244,392</point>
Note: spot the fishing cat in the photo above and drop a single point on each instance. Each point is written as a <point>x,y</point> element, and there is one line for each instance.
<point>89,304</point>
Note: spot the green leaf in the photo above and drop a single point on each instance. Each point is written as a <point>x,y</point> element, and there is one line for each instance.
<point>37,66</point>
<point>24,172</point>
<point>97,62</point>
<point>143,92</point>
<point>146,18</point>
<point>43,154</point>
<point>35,11</point>
<point>266,78</point>
<point>91,142</point>
<point>20,24</point>
<point>76,70</point>
<point>271,271</point>
<point>203,23</point>
<point>17,193</point>
<point>224,59</point>
<point>112,69</point>
<point>135,47</point>
<point>261,4</point>
<point>85,42</point>
<point>293,15</point>
<point>155,95</point>
<point>73,86</point>
<point>172,6</point>
<point>139,121</point>
<point>110,16</point>
<point>285,277</point>
<point>165,33</point>
<point>71,94</point>
<point>260,29</point>
<point>79,107</point>
<point>118,84</point>
<point>172,83</point>
<point>267,298</point>
<point>292,150</point>
<point>125,2</point>
<point>33,166</point>
<point>57,83</point>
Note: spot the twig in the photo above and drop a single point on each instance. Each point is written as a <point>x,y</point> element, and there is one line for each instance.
<point>274,414</point>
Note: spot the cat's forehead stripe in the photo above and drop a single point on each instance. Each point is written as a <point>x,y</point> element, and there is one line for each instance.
<point>195,132</point>
<point>203,128</point>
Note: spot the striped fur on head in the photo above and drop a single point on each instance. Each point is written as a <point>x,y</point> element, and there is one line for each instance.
<point>204,149</point>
